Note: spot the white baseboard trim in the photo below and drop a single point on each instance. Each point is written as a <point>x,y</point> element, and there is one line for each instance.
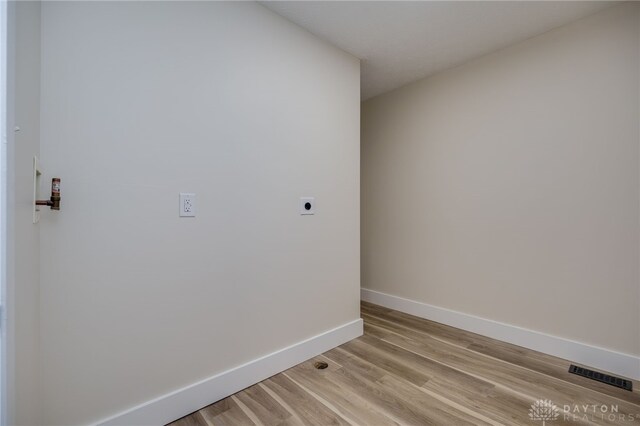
<point>181,402</point>
<point>604,359</point>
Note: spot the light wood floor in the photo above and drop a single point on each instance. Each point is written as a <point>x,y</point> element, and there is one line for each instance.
<point>410,371</point>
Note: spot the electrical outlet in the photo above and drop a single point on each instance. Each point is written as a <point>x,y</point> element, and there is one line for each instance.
<point>187,204</point>
<point>307,205</point>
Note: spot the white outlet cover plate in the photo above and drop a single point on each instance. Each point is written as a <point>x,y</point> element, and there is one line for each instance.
<point>187,204</point>
<point>303,207</point>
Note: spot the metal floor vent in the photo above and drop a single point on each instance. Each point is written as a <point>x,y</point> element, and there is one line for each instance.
<point>600,377</point>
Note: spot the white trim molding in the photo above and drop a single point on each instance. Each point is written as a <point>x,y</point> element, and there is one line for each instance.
<point>181,402</point>
<point>604,359</point>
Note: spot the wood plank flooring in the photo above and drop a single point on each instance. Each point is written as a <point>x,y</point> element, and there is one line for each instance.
<point>409,371</point>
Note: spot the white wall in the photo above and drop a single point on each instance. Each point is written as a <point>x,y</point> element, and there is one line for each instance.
<point>141,101</point>
<point>508,188</point>
<point>23,239</point>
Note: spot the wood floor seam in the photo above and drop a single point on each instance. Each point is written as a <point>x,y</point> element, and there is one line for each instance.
<point>459,407</point>
<point>321,400</point>
<point>247,411</point>
<point>281,402</point>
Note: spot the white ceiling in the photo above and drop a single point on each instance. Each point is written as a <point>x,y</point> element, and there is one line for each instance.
<point>400,42</point>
